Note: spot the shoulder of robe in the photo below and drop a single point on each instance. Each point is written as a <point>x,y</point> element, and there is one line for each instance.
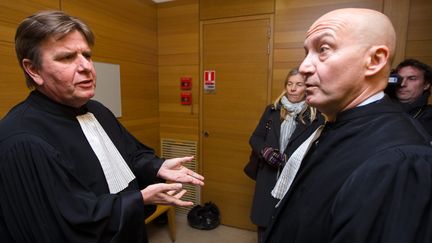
<point>19,141</point>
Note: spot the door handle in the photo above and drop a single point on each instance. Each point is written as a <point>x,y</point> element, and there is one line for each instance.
<point>206,134</point>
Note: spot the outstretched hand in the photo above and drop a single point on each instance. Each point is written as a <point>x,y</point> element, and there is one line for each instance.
<point>166,194</point>
<point>173,170</point>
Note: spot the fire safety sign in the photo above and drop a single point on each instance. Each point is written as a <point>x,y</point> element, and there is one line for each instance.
<point>209,80</point>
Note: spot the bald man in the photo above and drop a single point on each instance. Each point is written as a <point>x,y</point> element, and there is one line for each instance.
<point>369,176</point>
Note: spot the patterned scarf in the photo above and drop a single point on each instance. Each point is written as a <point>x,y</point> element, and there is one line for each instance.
<point>289,124</point>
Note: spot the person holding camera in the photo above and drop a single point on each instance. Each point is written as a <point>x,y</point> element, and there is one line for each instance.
<point>413,90</point>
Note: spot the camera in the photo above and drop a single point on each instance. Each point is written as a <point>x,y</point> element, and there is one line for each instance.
<point>394,81</point>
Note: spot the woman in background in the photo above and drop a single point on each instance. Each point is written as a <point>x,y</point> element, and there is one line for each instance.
<point>287,122</point>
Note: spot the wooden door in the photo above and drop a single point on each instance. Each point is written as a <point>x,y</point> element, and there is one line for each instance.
<point>238,51</point>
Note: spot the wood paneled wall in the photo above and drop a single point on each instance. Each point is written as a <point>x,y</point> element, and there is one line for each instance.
<point>215,9</point>
<point>178,37</point>
<point>126,34</point>
<point>419,34</point>
<point>398,12</point>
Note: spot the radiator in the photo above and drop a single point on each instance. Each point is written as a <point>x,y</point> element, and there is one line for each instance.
<point>173,148</point>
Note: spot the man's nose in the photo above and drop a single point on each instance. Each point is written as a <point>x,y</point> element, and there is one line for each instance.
<point>84,64</point>
<point>306,67</point>
<point>403,83</point>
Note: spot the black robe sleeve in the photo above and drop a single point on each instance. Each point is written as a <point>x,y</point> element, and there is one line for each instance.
<point>46,203</point>
<point>386,200</point>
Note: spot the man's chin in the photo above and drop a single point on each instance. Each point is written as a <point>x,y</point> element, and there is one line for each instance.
<point>403,99</point>
<point>87,94</point>
<point>83,97</point>
<point>310,100</point>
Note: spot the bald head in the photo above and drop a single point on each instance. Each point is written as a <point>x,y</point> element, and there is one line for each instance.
<point>357,22</point>
<point>348,56</point>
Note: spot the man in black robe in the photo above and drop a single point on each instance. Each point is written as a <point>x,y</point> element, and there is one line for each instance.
<point>69,171</point>
<point>368,178</point>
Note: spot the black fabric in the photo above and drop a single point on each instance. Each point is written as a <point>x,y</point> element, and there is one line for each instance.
<point>267,134</point>
<point>367,179</point>
<point>52,184</point>
<point>421,111</point>
<point>252,166</point>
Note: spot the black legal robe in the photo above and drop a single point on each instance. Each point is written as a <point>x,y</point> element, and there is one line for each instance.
<point>52,187</point>
<point>367,180</point>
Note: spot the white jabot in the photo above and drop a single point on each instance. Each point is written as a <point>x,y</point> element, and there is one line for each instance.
<point>292,166</point>
<point>117,172</point>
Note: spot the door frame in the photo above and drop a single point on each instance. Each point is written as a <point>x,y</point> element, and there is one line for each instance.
<point>269,17</point>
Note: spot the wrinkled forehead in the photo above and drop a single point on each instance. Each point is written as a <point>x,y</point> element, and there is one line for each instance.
<point>332,24</point>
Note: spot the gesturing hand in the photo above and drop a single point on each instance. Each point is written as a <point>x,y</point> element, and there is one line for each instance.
<point>165,193</point>
<point>173,170</point>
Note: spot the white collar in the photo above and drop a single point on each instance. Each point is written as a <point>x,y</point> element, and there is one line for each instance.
<point>373,98</point>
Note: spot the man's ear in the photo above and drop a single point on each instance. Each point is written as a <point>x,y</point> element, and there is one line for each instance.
<point>31,70</point>
<point>427,85</point>
<point>376,60</point>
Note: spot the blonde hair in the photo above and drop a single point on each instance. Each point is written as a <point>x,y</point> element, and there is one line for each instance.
<point>283,111</point>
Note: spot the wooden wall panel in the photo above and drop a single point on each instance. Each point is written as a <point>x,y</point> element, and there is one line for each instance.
<point>178,37</point>
<point>123,31</point>
<point>419,37</point>
<point>213,9</point>
<point>292,20</point>
<point>13,12</point>
<point>12,86</point>
<point>398,12</point>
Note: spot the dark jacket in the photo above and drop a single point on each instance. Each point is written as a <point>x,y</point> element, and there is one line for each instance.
<point>367,179</point>
<point>267,134</point>
<point>421,111</point>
